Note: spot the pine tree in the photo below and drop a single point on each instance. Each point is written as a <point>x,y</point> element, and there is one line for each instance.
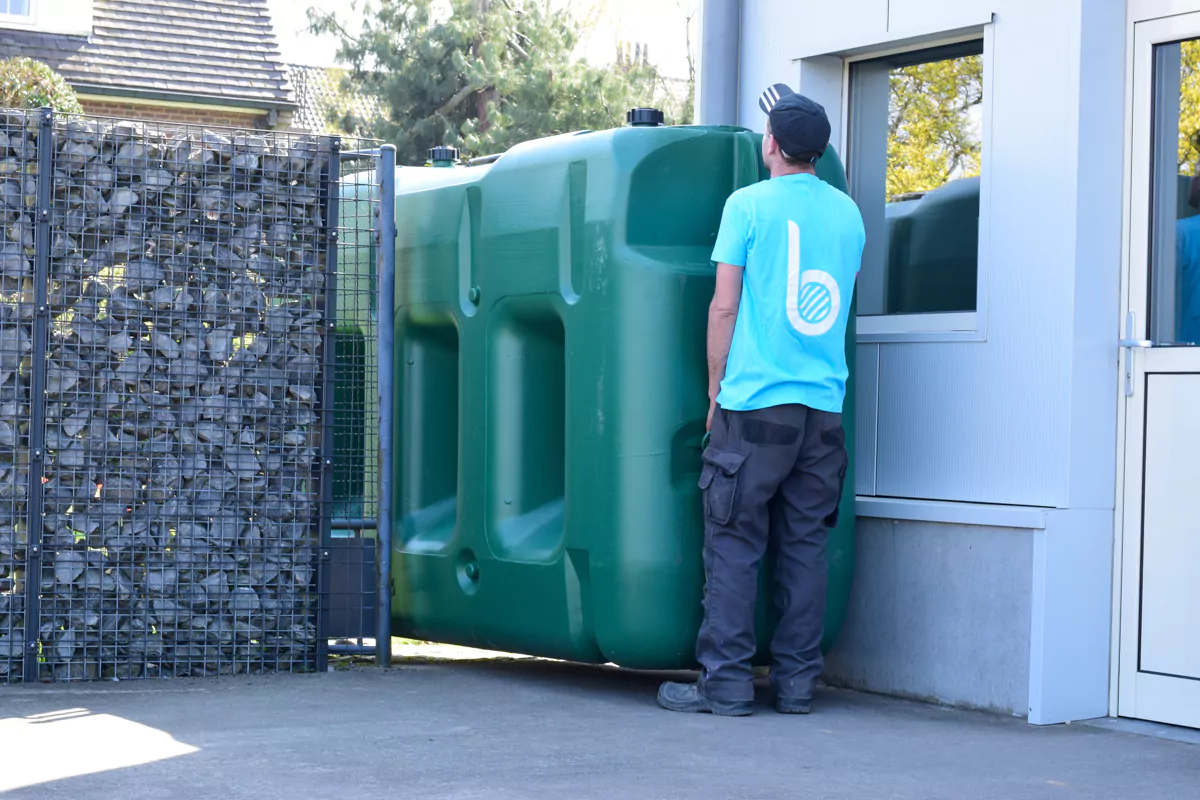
<point>481,75</point>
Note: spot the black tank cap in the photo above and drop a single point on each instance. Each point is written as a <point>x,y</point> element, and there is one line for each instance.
<point>644,116</point>
<point>443,153</point>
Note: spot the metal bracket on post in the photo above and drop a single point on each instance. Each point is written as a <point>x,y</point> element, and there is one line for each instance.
<point>386,171</point>
<point>37,390</point>
<point>329,178</point>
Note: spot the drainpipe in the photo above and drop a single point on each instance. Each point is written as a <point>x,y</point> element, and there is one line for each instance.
<point>721,28</point>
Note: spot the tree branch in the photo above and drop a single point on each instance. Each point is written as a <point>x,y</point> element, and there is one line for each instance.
<point>453,102</point>
<point>330,24</point>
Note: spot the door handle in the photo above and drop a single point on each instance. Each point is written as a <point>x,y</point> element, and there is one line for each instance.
<point>1129,343</point>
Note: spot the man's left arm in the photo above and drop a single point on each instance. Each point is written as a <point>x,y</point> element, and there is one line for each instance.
<point>722,317</point>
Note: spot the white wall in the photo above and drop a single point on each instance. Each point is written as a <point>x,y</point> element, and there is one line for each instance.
<point>908,15</point>
<point>768,33</point>
<point>1027,415</point>
<point>984,421</point>
<point>72,17</point>
<point>987,421</point>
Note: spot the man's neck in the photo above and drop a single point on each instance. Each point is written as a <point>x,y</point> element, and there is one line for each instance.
<point>779,170</point>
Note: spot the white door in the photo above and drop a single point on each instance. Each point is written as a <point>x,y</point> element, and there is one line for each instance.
<point>1159,677</point>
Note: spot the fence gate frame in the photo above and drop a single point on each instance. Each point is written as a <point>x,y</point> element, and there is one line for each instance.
<point>345,559</point>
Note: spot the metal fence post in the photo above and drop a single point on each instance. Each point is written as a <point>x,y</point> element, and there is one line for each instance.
<point>37,407</point>
<point>331,190</point>
<point>386,169</point>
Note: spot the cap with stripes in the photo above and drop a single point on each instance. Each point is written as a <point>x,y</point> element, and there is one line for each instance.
<point>774,93</point>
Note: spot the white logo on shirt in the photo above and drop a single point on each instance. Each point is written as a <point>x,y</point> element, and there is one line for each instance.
<point>813,298</point>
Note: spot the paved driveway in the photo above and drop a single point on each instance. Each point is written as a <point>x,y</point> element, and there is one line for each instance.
<point>533,729</point>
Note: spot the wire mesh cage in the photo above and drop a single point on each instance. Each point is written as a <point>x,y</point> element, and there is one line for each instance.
<point>181,405</point>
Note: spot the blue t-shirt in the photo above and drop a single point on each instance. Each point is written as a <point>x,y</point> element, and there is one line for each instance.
<point>800,241</point>
<point>1187,265</point>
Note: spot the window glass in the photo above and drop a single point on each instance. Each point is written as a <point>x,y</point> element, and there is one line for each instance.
<point>914,163</point>
<point>1174,289</point>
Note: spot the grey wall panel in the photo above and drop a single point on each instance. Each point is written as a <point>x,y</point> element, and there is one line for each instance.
<point>768,31</point>
<point>906,15</point>
<point>1096,379</point>
<point>1071,629</point>
<point>939,612</point>
<point>866,418</point>
<point>974,422</point>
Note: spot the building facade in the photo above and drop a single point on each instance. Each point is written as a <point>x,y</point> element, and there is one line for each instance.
<point>1028,535</point>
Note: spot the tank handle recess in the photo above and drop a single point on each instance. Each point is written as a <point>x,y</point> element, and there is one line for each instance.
<point>443,156</point>
<point>644,117</point>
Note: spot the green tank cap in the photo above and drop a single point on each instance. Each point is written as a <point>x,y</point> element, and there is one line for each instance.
<point>443,156</point>
<point>644,117</point>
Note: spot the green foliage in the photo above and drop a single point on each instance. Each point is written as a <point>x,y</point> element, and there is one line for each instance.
<point>931,138</point>
<point>1189,107</point>
<point>25,83</point>
<point>479,75</point>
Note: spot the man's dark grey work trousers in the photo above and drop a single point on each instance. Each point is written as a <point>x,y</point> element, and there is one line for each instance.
<point>771,477</point>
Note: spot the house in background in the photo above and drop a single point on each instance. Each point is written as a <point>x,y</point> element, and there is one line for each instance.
<point>325,104</point>
<point>213,62</point>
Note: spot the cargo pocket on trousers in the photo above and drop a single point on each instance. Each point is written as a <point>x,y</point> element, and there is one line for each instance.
<point>718,480</point>
<point>831,521</point>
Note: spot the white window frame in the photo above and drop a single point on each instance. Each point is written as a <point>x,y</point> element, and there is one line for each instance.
<point>28,20</point>
<point>967,326</point>
<point>66,17</point>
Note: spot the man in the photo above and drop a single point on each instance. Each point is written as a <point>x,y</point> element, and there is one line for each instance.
<point>788,253</point>
<point>1187,270</point>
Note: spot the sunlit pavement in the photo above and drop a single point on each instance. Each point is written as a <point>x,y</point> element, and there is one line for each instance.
<point>446,723</point>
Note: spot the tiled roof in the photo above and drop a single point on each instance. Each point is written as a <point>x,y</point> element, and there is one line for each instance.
<point>323,101</point>
<point>215,51</point>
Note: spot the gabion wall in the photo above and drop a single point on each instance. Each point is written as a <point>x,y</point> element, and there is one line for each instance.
<point>167,356</point>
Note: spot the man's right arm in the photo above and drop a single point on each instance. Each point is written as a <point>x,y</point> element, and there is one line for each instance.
<point>722,316</point>
<point>730,251</point>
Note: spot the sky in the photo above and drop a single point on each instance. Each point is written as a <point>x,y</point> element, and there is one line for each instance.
<point>656,23</point>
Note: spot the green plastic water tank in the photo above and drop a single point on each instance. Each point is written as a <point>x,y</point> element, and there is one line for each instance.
<point>933,246</point>
<point>551,393</point>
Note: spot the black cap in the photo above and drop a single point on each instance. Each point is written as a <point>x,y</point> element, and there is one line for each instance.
<point>797,123</point>
<point>443,153</point>
<point>644,116</point>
